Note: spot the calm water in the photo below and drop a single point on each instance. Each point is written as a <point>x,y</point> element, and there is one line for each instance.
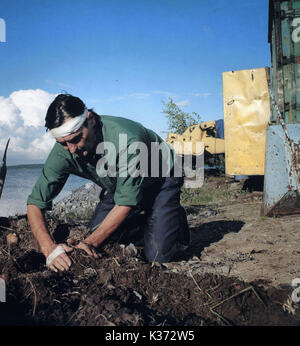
<point>19,183</point>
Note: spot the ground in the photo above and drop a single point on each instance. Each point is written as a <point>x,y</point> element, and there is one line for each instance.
<point>237,271</point>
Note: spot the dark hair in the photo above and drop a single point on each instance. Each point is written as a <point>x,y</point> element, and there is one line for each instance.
<point>64,106</point>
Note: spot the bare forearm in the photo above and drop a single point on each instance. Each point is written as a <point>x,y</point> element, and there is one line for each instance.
<point>112,221</point>
<point>39,229</point>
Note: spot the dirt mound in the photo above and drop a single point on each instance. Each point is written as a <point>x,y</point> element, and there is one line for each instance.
<point>121,289</point>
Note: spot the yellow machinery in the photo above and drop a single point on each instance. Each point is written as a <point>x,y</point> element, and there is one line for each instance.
<point>204,132</point>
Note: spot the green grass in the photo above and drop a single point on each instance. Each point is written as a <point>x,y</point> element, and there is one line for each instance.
<point>208,195</point>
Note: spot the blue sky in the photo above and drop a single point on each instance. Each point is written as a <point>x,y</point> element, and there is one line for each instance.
<point>123,57</point>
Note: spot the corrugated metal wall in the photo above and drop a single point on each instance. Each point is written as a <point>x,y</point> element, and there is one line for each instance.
<point>282,168</point>
<point>284,38</point>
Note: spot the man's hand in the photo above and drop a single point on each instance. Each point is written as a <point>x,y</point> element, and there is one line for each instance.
<point>39,229</point>
<point>88,248</point>
<point>61,262</point>
<point>111,222</point>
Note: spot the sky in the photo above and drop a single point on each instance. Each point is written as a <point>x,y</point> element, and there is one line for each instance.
<point>122,58</point>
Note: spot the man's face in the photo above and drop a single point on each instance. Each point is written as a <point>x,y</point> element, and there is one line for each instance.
<point>82,141</point>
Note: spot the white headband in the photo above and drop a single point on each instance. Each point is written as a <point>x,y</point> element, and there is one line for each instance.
<point>70,126</point>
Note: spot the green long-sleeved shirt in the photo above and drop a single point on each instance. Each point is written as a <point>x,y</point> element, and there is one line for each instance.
<point>128,189</point>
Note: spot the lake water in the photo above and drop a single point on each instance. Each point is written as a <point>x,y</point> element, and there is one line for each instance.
<point>19,183</point>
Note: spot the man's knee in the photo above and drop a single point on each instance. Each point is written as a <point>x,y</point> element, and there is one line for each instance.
<point>105,205</point>
<point>158,257</point>
<point>161,252</point>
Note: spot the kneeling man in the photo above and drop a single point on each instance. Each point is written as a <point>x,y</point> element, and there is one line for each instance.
<point>135,169</point>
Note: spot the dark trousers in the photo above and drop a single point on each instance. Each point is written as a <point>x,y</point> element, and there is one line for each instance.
<point>164,223</point>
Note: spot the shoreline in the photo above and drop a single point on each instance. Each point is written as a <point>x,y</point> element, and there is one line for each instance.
<point>75,206</point>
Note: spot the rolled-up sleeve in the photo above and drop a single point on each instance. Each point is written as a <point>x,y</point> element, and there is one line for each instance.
<point>51,181</point>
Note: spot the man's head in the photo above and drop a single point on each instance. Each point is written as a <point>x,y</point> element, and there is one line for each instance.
<point>72,124</point>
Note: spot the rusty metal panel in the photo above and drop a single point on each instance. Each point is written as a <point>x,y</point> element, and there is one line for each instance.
<point>246,103</point>
<point>282,178</point>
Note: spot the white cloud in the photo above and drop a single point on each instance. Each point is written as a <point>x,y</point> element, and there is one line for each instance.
<point>166,93</point>
<point>33,105</point>
<point>183,103</point>
<point>22,119</point>
<point>9,113</point>
<point>203,95</point>
<point>140,95</point>
<point>137,95</point>
<point>41,146</point>
<point>114,99</point>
